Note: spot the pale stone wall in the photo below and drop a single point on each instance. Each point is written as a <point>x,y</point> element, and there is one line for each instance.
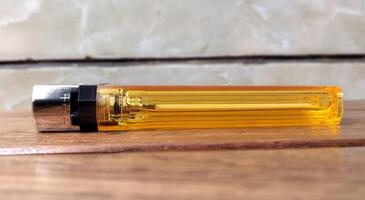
<point>44,29</point>
<point>17,87</point>
<point>76,29</point>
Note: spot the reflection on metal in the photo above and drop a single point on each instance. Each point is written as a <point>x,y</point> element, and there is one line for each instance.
<point>51,107</point>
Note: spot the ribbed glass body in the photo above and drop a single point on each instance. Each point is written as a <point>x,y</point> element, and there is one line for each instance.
<point>182,107</point>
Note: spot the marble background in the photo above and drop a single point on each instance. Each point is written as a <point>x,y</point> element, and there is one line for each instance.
<point>78,29</point>
<point>16,84</point>
<point>49,29</point>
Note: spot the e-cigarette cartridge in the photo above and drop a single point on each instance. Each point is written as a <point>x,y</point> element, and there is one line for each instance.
<point>117,108</point>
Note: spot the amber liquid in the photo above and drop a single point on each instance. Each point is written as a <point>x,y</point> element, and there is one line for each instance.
<point>183,107</point>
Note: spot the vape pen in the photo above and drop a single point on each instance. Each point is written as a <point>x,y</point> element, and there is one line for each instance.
<point>118,108</point>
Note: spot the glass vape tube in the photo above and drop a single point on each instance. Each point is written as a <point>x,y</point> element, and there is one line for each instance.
<point>119,108</point>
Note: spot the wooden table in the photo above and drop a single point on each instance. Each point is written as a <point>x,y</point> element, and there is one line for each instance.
<point>250,163</point>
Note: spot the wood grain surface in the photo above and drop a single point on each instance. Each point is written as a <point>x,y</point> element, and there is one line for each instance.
<point>301,174</point>
<point>18,136</point>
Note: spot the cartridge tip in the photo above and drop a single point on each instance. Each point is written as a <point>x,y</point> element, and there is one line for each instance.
<point>51,107</point>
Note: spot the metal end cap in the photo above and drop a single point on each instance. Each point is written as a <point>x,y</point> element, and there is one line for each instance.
<point>51,107</point>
